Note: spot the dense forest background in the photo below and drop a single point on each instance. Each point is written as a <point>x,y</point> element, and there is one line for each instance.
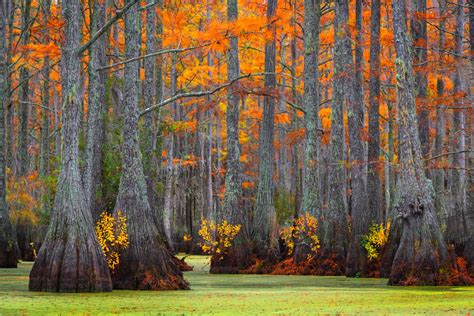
<point>344,118</point>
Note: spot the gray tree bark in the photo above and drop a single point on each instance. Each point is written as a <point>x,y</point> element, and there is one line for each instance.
<point>8,258</point>
<point>147,263</point>
<point>469,248</point>
<point>422,251</point>
<point>265,229</point>
<point>356,259</point>
<point>96,110</point>
<point>23,158</point>
<point>420,58</point>
<point>238,256</point>
<point>456,223</point>
<point>334,227</point>
<point>374,185</point>
<point>311,199</point>
<point>45,148</point>
<point>70,259</point>
<point>438,174</point>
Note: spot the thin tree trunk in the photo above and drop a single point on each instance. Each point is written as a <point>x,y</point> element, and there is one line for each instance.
<point>45,143</point>
<point>469,248</point>
<point>456,225</point>
<point>23,159</point>
<point>149,98</point>
<point>238,255</point>
<point>8,257</point>
<point>422,251</point>
<point>70,259</point>
<point>334,228</point>
<point>356,259</point>
<point>438,173</point>
<point>311,100</point>
<point>311,202</point>
<point>374,185</point>
<point>420,58</point>
<point>265,229</point>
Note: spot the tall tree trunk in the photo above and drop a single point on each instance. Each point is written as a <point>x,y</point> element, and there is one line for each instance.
<point>374,185</point>
<point>23,159</point>
<point>311,202</point>
<point>456,224</point>
<point>438,173</point>
<point>96,109</point>
<point>311,100</point>
<point>233,181</point>
<point>356,257</point>
<point>265,230</point>
<point>45,143</point>
<point>469,248</point>
<point>147,263</point>
<point>149,98</point>
<point>7,238</point>
<point>70,259</point>
<point>335,234</point>
<point>233,210</point>
<point>422,251</point>
<point>420,59</point>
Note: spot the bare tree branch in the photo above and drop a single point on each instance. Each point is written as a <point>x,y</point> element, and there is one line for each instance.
<point>106,26</point>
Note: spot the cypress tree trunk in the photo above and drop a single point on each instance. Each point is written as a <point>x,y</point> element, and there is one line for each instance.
<point>356,259</point>
<point>96,109</point>
<point>149,98</point>
<point>422,251</point>
<point>456,224</point>
<point>147,263</point>
<point>7,238</point>
<point>233,181</point>
<point>335,234</point>
<point>374,185</point>
<point>70,259</point>
<point>469,247</point>
<point>45,144</point>
<point>437,173</point>
<point>420,58</point>
<point>311,100</point>
<point>311,191</point>
<point>239,254</point>
<point>265,229</point>
<point>23,162</point>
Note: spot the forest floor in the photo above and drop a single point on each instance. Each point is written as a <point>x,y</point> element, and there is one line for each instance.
<point>241,294</point>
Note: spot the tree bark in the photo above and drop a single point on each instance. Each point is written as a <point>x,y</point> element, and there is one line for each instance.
<point>265,229</point>
<point>311,199</point>
<point>334,228</point>
<point>422,251</point>
<point>44,166</point>
<point>238,255</point>
<point>23,159</point>
<point>356,260</point>
<point>70,259</point>
<point>438,173</point>
<point>8,258</point>
<point>469,248</point>
<point>374,185</point>
<point>147,263</point>
<point>96,110</point>
<point>456,224</point>
<point>420,59</point>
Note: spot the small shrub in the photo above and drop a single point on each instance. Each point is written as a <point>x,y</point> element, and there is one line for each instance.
<point>217,238</point>
<point>303,230</point>
<point>113,237</point>
<point>375,240</point>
